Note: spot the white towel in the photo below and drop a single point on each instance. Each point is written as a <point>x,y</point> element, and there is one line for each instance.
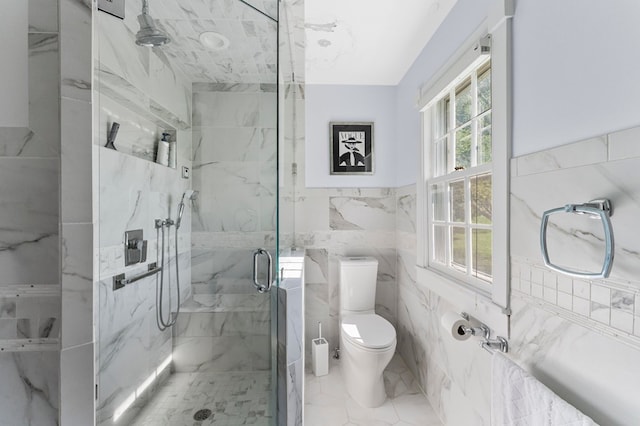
<point>518,399</point>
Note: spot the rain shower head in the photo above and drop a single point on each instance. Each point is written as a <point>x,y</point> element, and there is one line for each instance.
<point>149,35</point>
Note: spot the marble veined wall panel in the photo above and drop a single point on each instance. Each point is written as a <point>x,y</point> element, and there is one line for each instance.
<point>234,157</point>
<point>149,75</point>
<point>29,235</point>
<point>29,215</point>
<point>140,89</point>
<point>333,223</point>
<point>577,336</point>
<point>29,392</point>
<point>134,192</point>
<point>131,345</point>
<point>79,255</point>
<point>234,170</point>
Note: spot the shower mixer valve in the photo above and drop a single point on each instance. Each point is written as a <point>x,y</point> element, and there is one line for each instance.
<point>135,247</point>
<point>160,223</point>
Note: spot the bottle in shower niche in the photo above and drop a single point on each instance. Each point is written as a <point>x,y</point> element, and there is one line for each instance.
<point>173,154</point>
<point>162,156</point>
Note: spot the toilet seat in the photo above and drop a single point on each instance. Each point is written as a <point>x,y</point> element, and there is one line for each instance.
<point>368,331</point>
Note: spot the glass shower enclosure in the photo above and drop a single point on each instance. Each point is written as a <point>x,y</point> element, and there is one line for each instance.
<point>186,133</point>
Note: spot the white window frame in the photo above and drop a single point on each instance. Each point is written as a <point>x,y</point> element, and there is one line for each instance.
<point>490,305</point>
<point>435,110</point>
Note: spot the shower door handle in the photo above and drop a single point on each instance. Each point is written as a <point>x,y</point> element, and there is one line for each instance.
<point>262,288</point>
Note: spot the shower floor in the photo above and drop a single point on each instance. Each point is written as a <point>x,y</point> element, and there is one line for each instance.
<point>234,398</point>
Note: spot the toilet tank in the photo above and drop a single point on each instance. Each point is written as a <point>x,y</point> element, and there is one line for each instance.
<point>358,276</point>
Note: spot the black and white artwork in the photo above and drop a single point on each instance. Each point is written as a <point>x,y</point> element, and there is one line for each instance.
<point>351,148</point>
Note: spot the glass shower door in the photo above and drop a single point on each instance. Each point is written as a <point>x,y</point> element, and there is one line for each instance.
<point>187,148</point>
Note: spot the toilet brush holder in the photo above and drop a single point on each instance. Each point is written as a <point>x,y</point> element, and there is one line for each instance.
<point>320,356</point>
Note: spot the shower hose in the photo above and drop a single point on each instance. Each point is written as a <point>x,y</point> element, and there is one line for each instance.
<point>163,321</point>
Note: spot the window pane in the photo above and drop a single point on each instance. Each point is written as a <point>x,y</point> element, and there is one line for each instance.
<point>440,157</point>
<point>463,104</point>
<point>456,198</point>
<point>438,204</point>
<point>481,200</point>
<point>484,91</point>
<point>439,243</point>
<point>463,147</point>
<point>484,139</point>
<point>458,249</point>
<point>481,252</point>
<point>442,118</point>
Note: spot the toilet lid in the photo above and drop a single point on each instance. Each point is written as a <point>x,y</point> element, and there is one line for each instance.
<point>369,330</point>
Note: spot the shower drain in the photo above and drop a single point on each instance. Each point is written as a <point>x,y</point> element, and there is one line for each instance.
<point>203,414</point>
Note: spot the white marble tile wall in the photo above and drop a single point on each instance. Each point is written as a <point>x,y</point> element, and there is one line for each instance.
<point>138,76</point>
<point>29,164</point>
<point>290,367</point>
<point>79,233</point>
<point>147,95</point>
<point>131,347</point>
<point>234,152</point>
<point>331,223</point>
<point>29,393</point>
<point>227,340</point>
<point>30,317</point>
<point>77,230</point>
<point>234,158</point>
<point>576,336</point>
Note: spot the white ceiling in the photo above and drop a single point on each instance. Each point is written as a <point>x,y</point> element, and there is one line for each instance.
<point>367,42</point>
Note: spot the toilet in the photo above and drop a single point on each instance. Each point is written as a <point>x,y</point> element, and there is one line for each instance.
<point>367,340</point>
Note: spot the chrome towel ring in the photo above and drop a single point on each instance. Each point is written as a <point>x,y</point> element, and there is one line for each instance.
<point>601,209</point>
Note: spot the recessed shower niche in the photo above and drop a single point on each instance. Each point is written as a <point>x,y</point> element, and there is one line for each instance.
<point>129,128</point>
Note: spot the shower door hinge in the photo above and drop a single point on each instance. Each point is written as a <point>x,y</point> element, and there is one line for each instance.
<point>96,392</point>
<point>294,169</point>
<point>112,7</point>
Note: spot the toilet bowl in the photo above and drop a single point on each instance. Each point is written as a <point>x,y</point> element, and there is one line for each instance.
<point>367,343</point>
<point>367,340</point>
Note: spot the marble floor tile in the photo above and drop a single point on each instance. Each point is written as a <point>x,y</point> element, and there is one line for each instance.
<point>328,403</point>
<point>235,398</point>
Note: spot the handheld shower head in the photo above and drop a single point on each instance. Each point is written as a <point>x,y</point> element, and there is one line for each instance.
<point>190,195</point>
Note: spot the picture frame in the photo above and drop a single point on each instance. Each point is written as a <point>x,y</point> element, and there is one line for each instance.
<point>351,148</point>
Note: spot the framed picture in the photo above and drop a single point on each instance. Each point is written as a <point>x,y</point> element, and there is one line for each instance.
<point>351,148</point>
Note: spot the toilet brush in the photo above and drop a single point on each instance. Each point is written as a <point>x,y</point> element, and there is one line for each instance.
<point>320,354</point>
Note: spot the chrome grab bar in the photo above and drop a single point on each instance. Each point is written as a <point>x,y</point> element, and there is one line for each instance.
<point>262,288</point>
<point>119,281</point>
<point>596,208</point>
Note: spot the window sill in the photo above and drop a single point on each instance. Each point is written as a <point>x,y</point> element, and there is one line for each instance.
<point>467,299</point>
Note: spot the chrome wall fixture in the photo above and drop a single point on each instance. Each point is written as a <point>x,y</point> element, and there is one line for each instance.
<point>262,288</point>
<point>598,209</point>
<point>119,281</point>
<point>481,330</point>
<point>135,247</point>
